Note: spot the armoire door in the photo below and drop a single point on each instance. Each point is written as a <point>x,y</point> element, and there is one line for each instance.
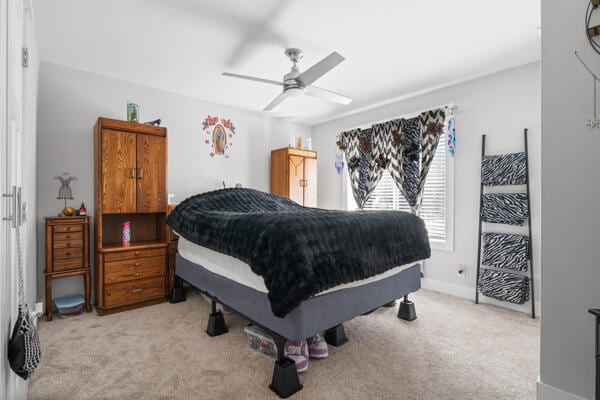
<point>296,178</point>
<point>151,174</point>
<point>118,172</point>
<point>310,182</point>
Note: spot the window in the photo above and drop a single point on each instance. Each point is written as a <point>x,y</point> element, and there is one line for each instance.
<point>436,208</point>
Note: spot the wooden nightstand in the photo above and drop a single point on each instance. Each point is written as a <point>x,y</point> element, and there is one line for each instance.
<point>67,254</point>
<point>172,239</point>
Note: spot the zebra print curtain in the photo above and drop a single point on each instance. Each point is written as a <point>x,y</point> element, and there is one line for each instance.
<point>404,147</point>
<point>362,163</point>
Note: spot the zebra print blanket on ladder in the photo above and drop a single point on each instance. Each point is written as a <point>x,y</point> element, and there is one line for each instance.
<point>505,251</point>
<point>504,286</point>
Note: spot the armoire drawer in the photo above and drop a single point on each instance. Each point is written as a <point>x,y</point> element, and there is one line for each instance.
<point>68,228</point>
<point>64,244</point>
<point>133,254</point>
<point>64,254</point>
<point>119,294</point>
<point>68,264</point>
<point>127,270</point>
<point>68,236</point>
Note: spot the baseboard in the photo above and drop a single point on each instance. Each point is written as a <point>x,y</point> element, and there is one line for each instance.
<point>547,392</point>
<point>469,293</point>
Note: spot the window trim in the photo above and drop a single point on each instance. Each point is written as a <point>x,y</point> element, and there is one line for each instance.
<point>436,244</point>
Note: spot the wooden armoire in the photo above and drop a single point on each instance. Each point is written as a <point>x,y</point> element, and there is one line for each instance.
<point>130,163</point>
<point>294,175</point>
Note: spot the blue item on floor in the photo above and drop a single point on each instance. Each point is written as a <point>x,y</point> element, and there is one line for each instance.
<point>69,305</point>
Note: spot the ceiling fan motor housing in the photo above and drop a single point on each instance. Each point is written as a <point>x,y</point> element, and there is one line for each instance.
<point>290,85</point>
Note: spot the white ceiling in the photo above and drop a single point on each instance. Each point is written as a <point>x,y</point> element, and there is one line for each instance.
<point>392,47</point>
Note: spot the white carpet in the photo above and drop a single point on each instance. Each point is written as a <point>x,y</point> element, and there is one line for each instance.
<point>454,350</point>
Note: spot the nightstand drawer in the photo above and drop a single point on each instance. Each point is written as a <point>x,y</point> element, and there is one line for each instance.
<point>68,236</point>
<point>68,264</point>
<point>133,254</point>
<point>127,270</point>
<point>68,228</point>
<point>132,292</point>
<point>63,244</point>
<point>64,254</point>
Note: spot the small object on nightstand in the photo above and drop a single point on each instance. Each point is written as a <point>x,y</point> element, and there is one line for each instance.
<point>68,211</point>
<point>67,254</point>
<point>82,210</point>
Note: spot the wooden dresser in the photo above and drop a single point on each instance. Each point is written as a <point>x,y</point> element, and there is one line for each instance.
<point>67,254</point>
<point>294,175</point>
<point>130,163</point>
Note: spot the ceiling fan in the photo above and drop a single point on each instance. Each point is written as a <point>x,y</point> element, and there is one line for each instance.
<point>297,84</point>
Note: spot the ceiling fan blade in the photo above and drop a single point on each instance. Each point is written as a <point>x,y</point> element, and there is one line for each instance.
<point>320,69</point>
<point>276,102</point>
<point>328,95</point>
<point>252,78</point>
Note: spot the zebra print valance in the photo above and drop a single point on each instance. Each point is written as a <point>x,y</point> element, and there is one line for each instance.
<point>405,147</point>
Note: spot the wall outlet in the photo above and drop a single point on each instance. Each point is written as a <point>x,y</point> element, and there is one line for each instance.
<point>461,270</point>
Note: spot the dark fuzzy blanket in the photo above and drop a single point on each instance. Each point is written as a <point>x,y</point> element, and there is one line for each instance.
<point>299,251</point>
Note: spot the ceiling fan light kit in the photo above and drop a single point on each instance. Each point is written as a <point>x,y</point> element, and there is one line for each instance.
<point>297,84</point>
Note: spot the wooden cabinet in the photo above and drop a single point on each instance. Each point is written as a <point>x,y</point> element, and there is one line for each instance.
<point>133,172</point>
<point>67,254</point>
<point>118,171</point>
<point>294,175</point>
<point>151,174</point>
<point>130,186</point>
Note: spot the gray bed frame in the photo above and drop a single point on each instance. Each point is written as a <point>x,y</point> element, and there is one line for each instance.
<point>323,313</point>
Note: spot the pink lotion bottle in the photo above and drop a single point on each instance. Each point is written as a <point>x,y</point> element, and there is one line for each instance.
<point>126,234</point>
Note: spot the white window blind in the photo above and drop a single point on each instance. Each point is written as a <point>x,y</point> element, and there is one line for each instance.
<point>386,195</point>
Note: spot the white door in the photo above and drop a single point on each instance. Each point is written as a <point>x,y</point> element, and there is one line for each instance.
<point>13,23</point>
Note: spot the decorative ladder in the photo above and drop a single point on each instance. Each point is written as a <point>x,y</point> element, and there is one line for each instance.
<point>505,263</point>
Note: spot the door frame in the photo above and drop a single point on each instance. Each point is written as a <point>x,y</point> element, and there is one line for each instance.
<point>5,312</point>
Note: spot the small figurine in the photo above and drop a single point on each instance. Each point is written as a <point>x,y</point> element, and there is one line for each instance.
<point>156,122</point>
<point>82,210</point>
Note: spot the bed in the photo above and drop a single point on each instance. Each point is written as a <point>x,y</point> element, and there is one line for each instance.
<point>294,270</point>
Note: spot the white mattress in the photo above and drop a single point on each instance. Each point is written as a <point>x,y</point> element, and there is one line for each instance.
<point>240,272</point>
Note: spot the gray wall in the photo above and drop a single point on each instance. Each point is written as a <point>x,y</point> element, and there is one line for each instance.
<point>570,192</point>
<point>70,101</point>
<point>499,105</point>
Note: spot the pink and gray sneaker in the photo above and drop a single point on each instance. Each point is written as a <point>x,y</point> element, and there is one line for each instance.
<point>297,350</point>
<point>317,346</point>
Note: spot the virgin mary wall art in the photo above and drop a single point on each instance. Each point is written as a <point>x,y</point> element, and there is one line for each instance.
<point>218,135</point>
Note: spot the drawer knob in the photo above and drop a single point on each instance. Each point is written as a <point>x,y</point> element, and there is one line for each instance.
<point>136,290</point>
<point>68,254</point>
<point>137,253</point>
<point>137,274</point>
<point>137,264</point>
